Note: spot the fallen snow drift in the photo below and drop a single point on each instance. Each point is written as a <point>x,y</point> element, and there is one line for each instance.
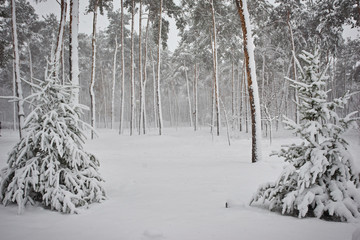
<point>174,187</point>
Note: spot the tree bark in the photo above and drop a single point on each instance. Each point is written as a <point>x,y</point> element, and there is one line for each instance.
<point>251,78</point>
<point>74,50</point>
<point>93,71</point>
<point>156,122</point>
<point>145,74</point>
<point>232,94</point>
<point>30,67</point>
<point>297,114</point>
<point>195,97</point>
<point>132,91</point>
<point>216,77</point>
<point>113,87</point>
<point>140,72</point>
<point>19,93</point>
<point>158,91</point>
<point>122,87</point>
<point>188,96</point>
<point>59,41</point>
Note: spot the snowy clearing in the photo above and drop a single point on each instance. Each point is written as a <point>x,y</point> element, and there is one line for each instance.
<point>174,187</point>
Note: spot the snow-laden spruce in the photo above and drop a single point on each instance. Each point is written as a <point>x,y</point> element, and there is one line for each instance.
<point>49,163</point>
<point>321,178</point>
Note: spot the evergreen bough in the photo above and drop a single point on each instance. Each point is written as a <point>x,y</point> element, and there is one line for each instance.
<point>321,178</point>
<point>49,164</point>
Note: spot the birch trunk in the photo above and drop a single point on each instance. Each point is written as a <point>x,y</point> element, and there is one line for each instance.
<point>19,93</point>
<point>74,50</point>
<point>249,49</point>
<point>93,71</point>
<point>113,87</point>
<point>122,87</point>
<point>158,93</point>
<point>132,91</point>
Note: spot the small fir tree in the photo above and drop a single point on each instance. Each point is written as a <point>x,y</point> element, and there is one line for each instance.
<point>321,178</point>
<point>49,163</point>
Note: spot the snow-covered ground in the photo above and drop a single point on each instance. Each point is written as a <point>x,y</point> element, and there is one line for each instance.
<point>174,187</point>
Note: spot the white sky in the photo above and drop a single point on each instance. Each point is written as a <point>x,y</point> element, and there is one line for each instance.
<point>51,6</point>
<point>85,26</point>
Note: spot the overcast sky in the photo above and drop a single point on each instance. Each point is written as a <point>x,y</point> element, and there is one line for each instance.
<point>51,6</point>
<point>85,26</point>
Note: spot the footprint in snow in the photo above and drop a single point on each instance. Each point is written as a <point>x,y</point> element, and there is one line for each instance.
<point>152,235</point>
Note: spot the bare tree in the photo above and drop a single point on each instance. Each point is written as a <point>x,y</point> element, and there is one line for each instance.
<point>158,93</point>
<point>251,78</point>
<point>188,94</point>
<point>19,93</point>
<point>215,63</point>
<point>141,110</point>
<point>132,92</point>
<point>74,49</point>
<point>122,86</point>
<point>113,86</point>
<point>59,41</point>
<point>93,70</point>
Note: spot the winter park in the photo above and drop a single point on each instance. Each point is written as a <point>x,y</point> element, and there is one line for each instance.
<point>180,119</point>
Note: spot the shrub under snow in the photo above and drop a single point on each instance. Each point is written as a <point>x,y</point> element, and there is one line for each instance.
<point>321,178</point>
<point>49,164</point>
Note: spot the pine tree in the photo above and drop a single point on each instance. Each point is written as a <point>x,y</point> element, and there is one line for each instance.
<point>321,178</point>
<point>49,163</point>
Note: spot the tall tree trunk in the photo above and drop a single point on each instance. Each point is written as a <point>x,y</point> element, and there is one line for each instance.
<point>105,94</point>
<point>19,93</point>
<point>156,122</point>
<point>251,78</point>
<point>170,108</point>
<point>122,87</point>
<point>232,93</point>
<point>113,87</point>
<point>141,112</point>
<point>215,63</point>
<point>246,102</point>
<point>59,41</point>
<point>188,95</point>
<point>263,84</point>
<point>14,94</point>
<point>74,50</point>
<point>30,67</point>
<point>93,68</point>
<point>297,114</point>
<point>63,61</point>
<point>132,91</point>
<point>158,91</point>
<point>145,75</point>
<point>195,98</point>
<point>241,84</point>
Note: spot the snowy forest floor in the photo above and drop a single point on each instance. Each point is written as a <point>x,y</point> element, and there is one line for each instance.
<point>174,187</point>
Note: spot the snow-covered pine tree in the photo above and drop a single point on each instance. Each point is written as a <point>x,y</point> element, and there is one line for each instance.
<point>321,178</point>
<point>49,164</point>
